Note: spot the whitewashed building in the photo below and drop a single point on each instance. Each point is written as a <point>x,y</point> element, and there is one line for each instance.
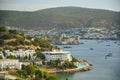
<point>1,55</point>
<point>20,53</point>
<point>10,63</point>
<point>54,55</point>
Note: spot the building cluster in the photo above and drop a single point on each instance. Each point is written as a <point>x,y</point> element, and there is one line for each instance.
<point>21,53</point>
<point>57,54</point>
<point>14,63</point>
<point>69,40</point>
<point>10,63</point>
<point>100,33</point>
<point>89,33</point>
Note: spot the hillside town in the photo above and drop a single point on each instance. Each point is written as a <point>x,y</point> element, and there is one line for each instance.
<point>83,32</point>
<point>12,60</point>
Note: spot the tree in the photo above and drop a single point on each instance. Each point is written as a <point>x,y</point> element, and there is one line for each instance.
<point>29,57</point>
<point>33,70</point>
<point>1,42</point>
<point>25,57</point>
<point>8,48</point>
<point>13,31</point>
<point>42,43</point>
<point>39,53</point>
<point>66,78</point>
<point>52,63</point>
<point>68,64</point>
<point>52,78</point>
<point>21,73</point>
<point>6,36</point>
<point>30,69</point>
<point>58,61</point>
<point>45,74</point>
<point>11,57</point>
<point>2,29</point>
<point>37,77</point>
<point>74,59</point>
<point>39,73</point>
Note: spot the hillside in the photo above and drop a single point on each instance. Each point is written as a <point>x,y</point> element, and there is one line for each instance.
<point>61,18</point>
<point>12,39</point>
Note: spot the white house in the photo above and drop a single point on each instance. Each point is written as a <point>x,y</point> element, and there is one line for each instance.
<point>20,53</point>
<point>11,63</point>
<point>1,55</point>
<point>53,55</point>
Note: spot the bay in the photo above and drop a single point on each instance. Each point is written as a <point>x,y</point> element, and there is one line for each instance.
<point>94,51</point>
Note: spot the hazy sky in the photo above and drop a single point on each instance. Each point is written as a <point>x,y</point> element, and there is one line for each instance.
<point>32,5</point>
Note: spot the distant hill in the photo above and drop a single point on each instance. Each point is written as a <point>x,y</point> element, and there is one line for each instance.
<point>61,18</point>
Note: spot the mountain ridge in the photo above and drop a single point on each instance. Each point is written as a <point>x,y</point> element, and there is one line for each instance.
<point>60,17</point>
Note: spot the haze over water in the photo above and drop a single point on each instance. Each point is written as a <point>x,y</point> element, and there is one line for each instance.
<point>103,69</point>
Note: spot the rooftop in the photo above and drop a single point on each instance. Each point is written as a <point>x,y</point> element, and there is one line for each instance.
<point>56,52</point>
<point>8,60</point>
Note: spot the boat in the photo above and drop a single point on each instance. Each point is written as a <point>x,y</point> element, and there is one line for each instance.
<point>67,47</point>
<point>91,49</point>
<point>108,55</point>
<point>108,45</point>
<point>118,44</point>
<point>115,42</point>
<point>81,43</point>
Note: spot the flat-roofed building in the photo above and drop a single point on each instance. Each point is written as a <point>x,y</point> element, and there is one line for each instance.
<point>55,54</point>
<point>21,53</point>
<point>11,63</point>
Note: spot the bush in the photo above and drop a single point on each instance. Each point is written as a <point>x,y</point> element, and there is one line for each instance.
<point>2,29</point>
<point>42,43</point>
<point>68,64</point>
<point>13,32</point>
<point>52,78</point>
<point>39,73</point>
<point>1,42</point>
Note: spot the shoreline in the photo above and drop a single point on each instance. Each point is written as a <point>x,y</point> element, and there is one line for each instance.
<point>78,69</point>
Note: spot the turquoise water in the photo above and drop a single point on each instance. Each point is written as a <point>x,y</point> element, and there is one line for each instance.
<point>103,69</point>
<point>80,65</point>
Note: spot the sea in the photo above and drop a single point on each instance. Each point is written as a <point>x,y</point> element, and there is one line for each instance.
<point>94,51</point>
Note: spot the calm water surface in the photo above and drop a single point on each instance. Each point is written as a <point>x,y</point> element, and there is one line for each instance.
<point>103,69</point>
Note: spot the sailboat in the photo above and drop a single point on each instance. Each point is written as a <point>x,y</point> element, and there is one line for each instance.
<point>109,54</point>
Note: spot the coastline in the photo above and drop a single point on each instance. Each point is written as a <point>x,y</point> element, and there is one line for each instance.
<point>78,69</point>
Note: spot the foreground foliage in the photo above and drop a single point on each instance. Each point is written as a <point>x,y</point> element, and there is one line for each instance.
<point>34,73</point>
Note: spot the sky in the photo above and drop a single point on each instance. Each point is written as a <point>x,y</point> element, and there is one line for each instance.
<point>33,5</point>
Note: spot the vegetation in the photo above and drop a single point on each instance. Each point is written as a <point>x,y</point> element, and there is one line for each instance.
<point>68,65</point>
<point>42,43</point>
<point>11,57</point>
<point>64,65</point>
<point>74,59</point>
<point>34,73</point>
<point>2,29</point>
<point>12,39</point>
<point>51,78</point>
<point>54,63</point>
<point>39,54</point>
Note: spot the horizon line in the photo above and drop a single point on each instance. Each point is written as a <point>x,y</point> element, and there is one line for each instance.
<point>58,7</point>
